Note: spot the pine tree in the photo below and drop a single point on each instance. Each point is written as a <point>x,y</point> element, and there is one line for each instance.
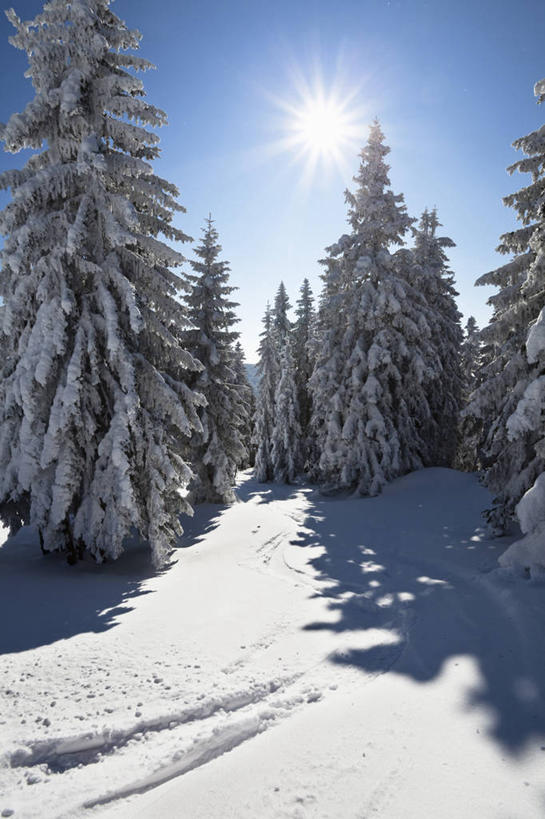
<point>268,369</point>
<point>470,428</point>
<point>518,328</point>
<point>281,325</point>
<point>219,449</point>
<point>248,404</point>
<point>325,386</point>
<point>95,411</point>
<point>286,439</point>
<point>470,356</point>
<point>435,283</point>
<point>502,381</point>
<point>511,450</point>
<point>303,354</point>
<point>367,386</point>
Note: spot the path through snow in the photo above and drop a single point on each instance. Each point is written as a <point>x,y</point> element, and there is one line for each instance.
<point>403,674</point>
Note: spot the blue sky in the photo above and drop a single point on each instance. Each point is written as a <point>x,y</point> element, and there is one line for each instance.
<point>451,82</point>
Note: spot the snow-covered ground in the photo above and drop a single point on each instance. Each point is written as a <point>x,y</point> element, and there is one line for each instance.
<point>302,657</point>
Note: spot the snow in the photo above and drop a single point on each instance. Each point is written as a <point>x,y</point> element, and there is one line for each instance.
<point>302,656</point>
<point>528,553</point>
<point>535,343</point>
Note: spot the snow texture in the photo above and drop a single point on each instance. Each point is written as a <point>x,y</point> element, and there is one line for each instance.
<point>302,656</point>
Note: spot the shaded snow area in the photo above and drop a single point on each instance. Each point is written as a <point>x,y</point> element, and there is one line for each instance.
<point>301,657</point>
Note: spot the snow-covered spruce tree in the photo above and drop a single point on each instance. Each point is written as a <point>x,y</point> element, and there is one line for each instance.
<point>219,449</point>
<point>502,381</point>
<point>370,406</point>
<point>507,400</point>
<point>286,439</point>
<point>469,428</point>
<point>435,283</point>
<point>281,323</point>
<point>470,357</point>
<point>528,424</point>
<point>95,411</point>
<point>520,481</point>
<point>247,403</point>
<point>303,354</point>
<point>268,369</point>
<point>325,386</point>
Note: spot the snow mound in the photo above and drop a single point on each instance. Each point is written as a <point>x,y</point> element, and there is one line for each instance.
<point>529,552</point>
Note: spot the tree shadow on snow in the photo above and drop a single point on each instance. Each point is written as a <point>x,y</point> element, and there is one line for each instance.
<point>43,599</point>
<point>249,489</point>
<point>415,562</point>
<point>206,518</point>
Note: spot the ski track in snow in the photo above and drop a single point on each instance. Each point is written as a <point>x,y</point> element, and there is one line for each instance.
<point>99,718</point>
<point>60,754</point>
<point>141,753</point>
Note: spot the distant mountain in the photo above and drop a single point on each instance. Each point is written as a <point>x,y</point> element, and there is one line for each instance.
<point>252,375</point>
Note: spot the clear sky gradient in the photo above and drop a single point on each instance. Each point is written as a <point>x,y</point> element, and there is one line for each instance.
<point>451,82</point>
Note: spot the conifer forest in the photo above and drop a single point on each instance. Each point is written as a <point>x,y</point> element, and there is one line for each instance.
<point>306,584</point>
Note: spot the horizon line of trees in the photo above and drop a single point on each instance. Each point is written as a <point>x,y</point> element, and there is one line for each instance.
<point>122,404</point>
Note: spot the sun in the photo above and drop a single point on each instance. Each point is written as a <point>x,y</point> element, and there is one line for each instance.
<point>322,127</point>
<point>318,121</point>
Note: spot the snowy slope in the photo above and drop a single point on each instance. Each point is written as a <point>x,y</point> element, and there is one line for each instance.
<point>354,657</point>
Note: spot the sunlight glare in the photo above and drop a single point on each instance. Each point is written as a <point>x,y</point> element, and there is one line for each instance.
<point>324,129</point>
<point>321,126</point>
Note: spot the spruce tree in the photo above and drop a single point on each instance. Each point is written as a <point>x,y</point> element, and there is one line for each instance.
<point>268,369</point>
<point>435,282</point>
<point>303,355</point>
<point>95,412</point>
<point>219,449</point>
<point>515,374</point>
<point>512,452</point>
<point>470,356</point>
<point>470,428</point>
<point>370,406</point>
<point>281,325</point>
<point>286,439</point>
<point>502,381</point>
<point>247,397</point>
<point>325,385</point>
